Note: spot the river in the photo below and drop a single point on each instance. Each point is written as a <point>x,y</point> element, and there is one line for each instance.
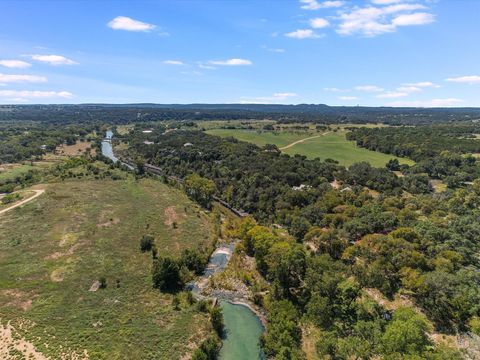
<point>242,333</point>
<point>107,149</point>
<point>243,328</point>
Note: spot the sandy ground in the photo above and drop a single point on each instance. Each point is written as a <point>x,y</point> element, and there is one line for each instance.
<point>10,341</point>
<point>74,150</point>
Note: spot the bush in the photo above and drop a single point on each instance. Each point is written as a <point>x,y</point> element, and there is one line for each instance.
<point>146,243</point>
<point>166,274</point>
<point>216,318</point>
<point>475,325</point>
<point>193,260</point>
<point>176,303</point>
<point>10,198</point>
<point>208,349</point>
<point>202,306</point>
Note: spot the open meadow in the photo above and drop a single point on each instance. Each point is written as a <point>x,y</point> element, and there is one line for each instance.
<point>312,144</point>
<point>54,250</point>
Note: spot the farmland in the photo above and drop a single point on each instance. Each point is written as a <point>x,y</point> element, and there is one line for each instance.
<point>324,145</point>
<point>53,249</point>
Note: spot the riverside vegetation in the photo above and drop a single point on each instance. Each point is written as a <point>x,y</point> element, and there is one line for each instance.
<point>365,262</point>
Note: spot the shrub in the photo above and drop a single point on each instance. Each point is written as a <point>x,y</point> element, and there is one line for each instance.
<point>166,274</point>
<point>208,349</point>
<point>146,243</point>
<point>216,318</point>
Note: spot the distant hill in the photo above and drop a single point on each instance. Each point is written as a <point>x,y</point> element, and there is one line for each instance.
<point>319,113</point>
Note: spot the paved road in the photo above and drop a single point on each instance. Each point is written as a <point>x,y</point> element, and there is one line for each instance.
<point>23,202</point>
<point>302,140</point>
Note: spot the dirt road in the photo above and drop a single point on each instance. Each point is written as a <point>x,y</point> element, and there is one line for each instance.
<point>23,202</point>
<point>302,140</point>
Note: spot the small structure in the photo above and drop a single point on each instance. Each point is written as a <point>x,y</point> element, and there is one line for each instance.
<point>301,187</point>
<point>146,142</point>
<point>348,188</point>
<point>187,144</point>
<point>148,131</point>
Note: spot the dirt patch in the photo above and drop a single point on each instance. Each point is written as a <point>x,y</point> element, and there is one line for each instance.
<point>74,356</point>
<point>171,216</point>
<point>310,336</point>
<point>11,341</point>
<point>58,275</point>
<point>58,254</point>
<point>73,150</point>
<point>18,299</point>
<point>397,302</point>
<point>109,223</point>
<point>68,239</point>
<point>95,286</point>
<point>335,184</point>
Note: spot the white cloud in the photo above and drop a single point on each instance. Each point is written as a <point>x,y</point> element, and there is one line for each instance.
<point>347,98</point>
<point>276,50</point>
<point>448,102</point>
<point>4,78</point>
<point>369,88</point>
<point>303,34</point>
<point>129,24</point>
<point>284,95</point>
<point>319,23</point>
<point>278,97</point>
<point>54,59</point>
<point>173,62</point>
<point>422,84</point>
<point>385,2</point>
<point>409,89</point>
<point>471,79</point>
<point>231,62</point>
<point>421,18</point>
<point>372,20</point>
<point>333,89</point>
<point>207,67</point>
<point>15,64</point>
<point>27,94</point>
<point>392,95</point>
<point>315,5</point>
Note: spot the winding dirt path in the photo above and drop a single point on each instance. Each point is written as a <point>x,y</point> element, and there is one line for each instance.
<point>23,202</point>
<point>302,140</point>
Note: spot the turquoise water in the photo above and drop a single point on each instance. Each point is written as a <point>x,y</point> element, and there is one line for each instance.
<point>243,330</point>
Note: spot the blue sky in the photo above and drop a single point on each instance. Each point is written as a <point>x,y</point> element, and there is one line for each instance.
<point>366,52</point>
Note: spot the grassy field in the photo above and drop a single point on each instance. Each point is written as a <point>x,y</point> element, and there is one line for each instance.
<point>53,249</point>
<point>332,145</point>
<point>261,138</point>
<point>10,171</point>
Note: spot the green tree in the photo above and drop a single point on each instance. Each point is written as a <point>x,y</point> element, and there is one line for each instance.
<point>200,189</point>
<point>407,333</point>
<point>216,318</point>
<point>208,349</point>
<point>166,274</point>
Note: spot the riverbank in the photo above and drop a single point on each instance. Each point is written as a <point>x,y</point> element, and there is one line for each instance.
<point>244,322</point>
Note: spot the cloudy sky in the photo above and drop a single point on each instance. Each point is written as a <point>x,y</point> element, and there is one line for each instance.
<point>366,52</point>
